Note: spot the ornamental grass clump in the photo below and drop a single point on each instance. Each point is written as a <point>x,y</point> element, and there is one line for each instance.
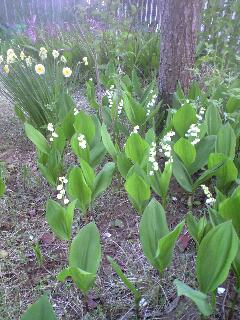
<point>35,83</point>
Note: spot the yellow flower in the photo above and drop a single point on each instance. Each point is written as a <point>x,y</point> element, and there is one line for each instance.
<point>6,68</point>
<point>67,72</point>
<point>40,69</point>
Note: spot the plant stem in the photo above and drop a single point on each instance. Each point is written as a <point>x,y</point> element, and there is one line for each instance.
<point>190,202</point>
<point>85,301</point>
<point>137,310</point>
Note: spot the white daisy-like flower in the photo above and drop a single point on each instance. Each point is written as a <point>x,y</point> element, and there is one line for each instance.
<point>67,72</point>
<point>55,54</point>
<point>40,69</point>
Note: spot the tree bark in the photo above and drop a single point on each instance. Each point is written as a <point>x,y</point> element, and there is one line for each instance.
<point>179,23</point>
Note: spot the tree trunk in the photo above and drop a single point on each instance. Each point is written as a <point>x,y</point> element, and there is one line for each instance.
<point>179,23</point>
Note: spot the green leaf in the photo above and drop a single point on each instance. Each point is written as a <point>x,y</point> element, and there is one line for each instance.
<point>166,246</point>
<point>128,283</point>
<point>37,138</point>
<point>88,173</point>
<point>83,280</point>
<point>226,141</point>
<point>85,250</point>
<point>67,125</point>
<point>78,188</point>
<point>103,180</point>
<point>215,256</point>
<point>137,149</point>
<point>207,175</point>
<point>183,119</point>
<point>233,104</point>
<point>199,298</point>
<point>107,141</point>
<point>181,174</point>
<point>134,111</point>
<point>153,226</point>
<point>97,154</point>
<point>229,209</point>
<point>40,310</point>
<point>138,191</point>
<point>213,119</point>
<point>225,174</point>
<point>123,164</point>
<point>2,187</point>
<point>85,125</point>
<point>60,219</point>
<point>196,228</point>
<point>185,150</point>
<point>203,150</point>
<point>160,181</point>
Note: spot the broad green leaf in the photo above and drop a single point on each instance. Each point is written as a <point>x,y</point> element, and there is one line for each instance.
<point>125,280</point>
<point>103,180</point>
<point>181,174</point>
<point>166,246</point>
<point>225,174</point>
<point>183,119</point>
<point>160,181</point>
<point>84,124</point>
<point>60,219</point>
<point>233,104</point>
<point>40,310</point>
<point>196,228</point>
<point>107,141</point>
<point>97,154</point>
<point>67,125</point>
<point>229,209</point>
<point>203,150</point>
<point>85,250</point>
<point>37,138</point>
<point>83,280</point>
<point>206,175</point>
<point>134,111</point>
<point>213,119</point>
<point>138,191</point>
<point>123,164</point>
<point>215,256</point>
<point>88,173</point>
<point>199,298</point>
<point>153,226</point>
<point>137,149</point>
<point>186,151</point>
<point>226,141</point>
<point>78,188</point>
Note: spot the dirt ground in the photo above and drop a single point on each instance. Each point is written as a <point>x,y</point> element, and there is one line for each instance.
<point>22,225</point>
